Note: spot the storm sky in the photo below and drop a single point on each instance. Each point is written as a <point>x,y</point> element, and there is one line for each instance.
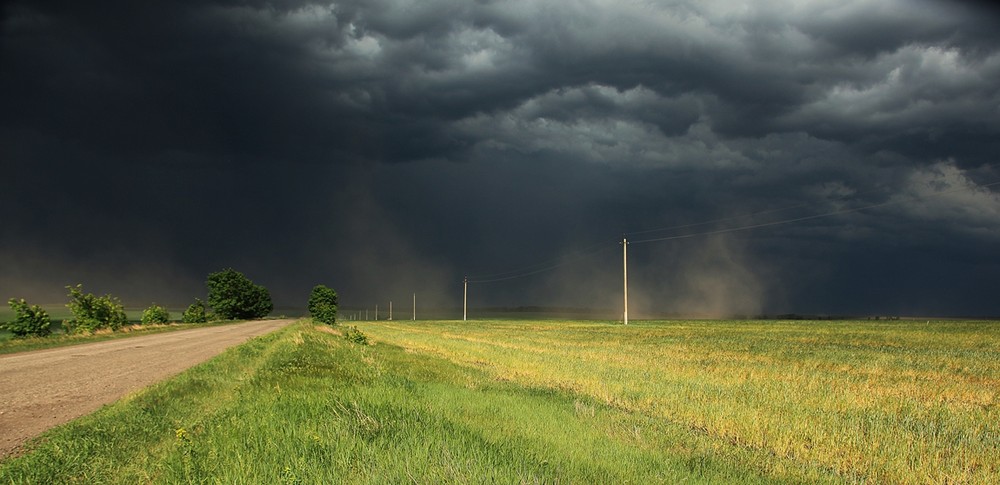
<point>822,157</point>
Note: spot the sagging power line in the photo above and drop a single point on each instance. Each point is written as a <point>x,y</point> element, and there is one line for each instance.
<point>541,267</point>
<point>599,248</point>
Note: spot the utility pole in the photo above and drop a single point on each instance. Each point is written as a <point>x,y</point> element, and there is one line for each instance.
<point>465,299</point>
<point>376,313</point>
<point>414,307</point>
<point>390,310</point>
<point>625,276</point>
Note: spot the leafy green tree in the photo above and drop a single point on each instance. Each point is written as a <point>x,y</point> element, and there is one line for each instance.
<point>92,313</point>
<point>234,297</point>
<point>28,320</point>
<point>155,314</point>
<point>323,304</point>
<point>195,313</point>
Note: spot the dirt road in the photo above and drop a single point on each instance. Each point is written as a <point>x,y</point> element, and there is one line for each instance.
<point>45,388</point>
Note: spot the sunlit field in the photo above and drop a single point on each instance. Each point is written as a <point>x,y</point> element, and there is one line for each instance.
<point>557,402</point>
<point>899,401</point>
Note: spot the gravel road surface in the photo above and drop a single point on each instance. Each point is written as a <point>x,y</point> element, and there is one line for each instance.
<point>46,388</point>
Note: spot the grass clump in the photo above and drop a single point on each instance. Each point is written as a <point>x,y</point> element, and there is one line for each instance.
<point>352,334</point>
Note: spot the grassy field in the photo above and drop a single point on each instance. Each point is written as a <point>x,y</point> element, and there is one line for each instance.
<point>558,402</point>
<point>878,401</point>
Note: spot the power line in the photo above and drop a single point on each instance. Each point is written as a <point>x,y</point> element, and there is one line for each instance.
<point>748,216</point>
<point>789,207</point>
<point>797,219</point>
<point>755,226</point>
<point>596,249</point>
<point>539,268</point>
<point>714,221</point>
<point>546,262</point>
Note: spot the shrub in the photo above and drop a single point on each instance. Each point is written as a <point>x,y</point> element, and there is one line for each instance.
<point>195,313</point>
<point>233,296</point>
<point>354,335</point>
<point>28,320</point>
<point>323,304</point>
<point>155,314</point>
<point>92,313</point>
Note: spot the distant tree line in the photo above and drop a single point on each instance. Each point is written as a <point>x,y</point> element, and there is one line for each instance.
<point>231,296</point>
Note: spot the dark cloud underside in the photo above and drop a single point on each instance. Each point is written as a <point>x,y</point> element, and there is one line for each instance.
<point>383,146</point>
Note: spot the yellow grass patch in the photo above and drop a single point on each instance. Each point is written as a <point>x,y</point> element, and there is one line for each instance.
<point>328,329</point>
<point>898,403</point>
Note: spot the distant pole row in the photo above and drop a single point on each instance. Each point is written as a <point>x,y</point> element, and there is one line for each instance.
<point>465,287</point>
<point>357,315</point>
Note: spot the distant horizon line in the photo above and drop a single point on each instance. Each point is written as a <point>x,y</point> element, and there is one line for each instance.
<point>559,311</point>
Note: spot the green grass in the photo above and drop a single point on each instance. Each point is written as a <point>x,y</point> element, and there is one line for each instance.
<point>557,402</point>
<point>898,402</point>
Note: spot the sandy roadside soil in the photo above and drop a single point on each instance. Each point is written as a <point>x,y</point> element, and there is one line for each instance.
<point>46,388</point>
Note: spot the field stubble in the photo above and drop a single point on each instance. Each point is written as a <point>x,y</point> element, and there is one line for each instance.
<point>899,402</point>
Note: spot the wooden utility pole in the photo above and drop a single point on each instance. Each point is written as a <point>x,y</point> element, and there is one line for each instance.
<point>625,276</point>
<point>390,310</point>
<point>414,307</point>
<point>465,299</point>
<point>376,313</point>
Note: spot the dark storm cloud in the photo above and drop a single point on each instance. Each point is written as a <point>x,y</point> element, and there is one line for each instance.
<point>444,137</point>
<point>384,80</point>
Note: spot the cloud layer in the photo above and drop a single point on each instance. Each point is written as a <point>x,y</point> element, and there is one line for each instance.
<point>385,146</point>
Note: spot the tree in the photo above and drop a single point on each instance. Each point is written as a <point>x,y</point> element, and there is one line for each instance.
<point>234,297</point>
<point>195,313</point>
<point>93,312</point>
<point>28,320</point>
<point>323,304</point>
<point>155,314</point>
